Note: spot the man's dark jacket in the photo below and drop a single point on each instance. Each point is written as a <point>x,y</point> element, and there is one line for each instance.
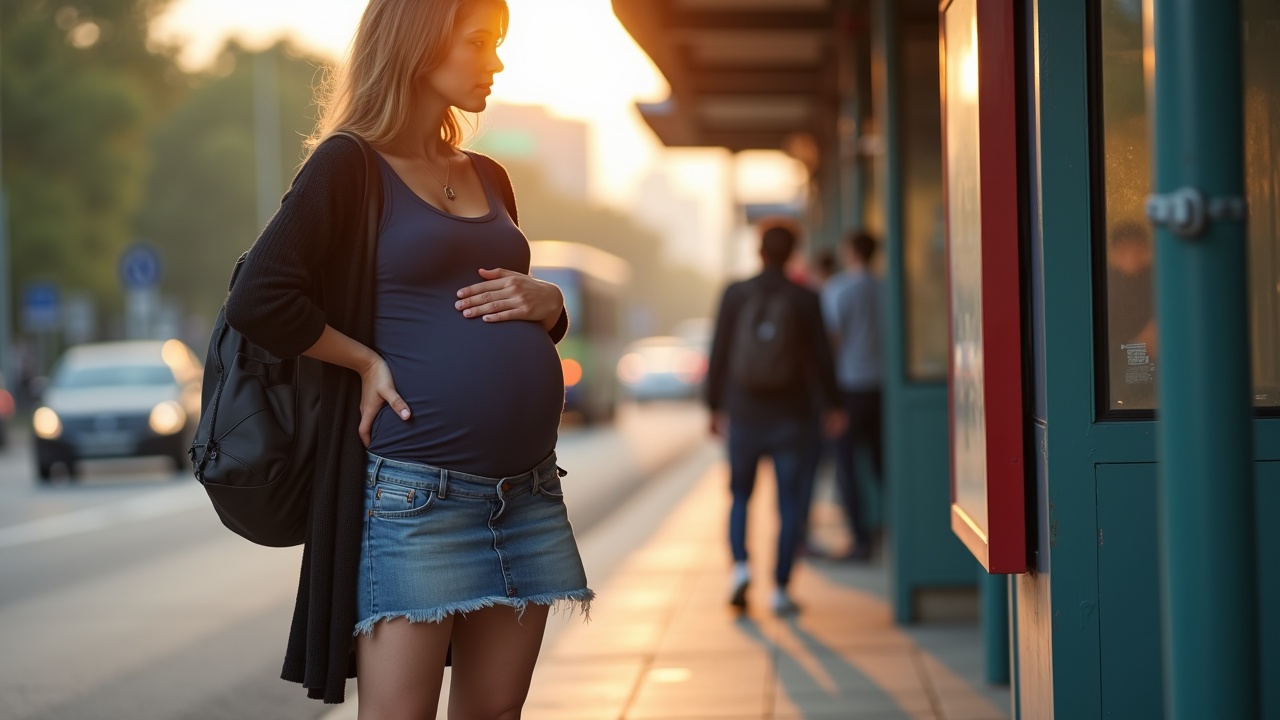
<point>814,388</point>
<point>306,270</point>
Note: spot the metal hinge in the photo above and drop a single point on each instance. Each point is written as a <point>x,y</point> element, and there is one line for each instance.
<point>1186,211</point>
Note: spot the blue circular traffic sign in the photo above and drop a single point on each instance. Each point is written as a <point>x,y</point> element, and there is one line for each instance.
<point>140,267</point>
<point>41,307</point>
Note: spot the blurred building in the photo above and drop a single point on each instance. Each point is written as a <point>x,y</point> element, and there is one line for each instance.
<point>530,134</point>
<point>678,220</point>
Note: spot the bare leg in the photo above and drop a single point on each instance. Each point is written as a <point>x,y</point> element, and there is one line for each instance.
<point>494,651</point>
<point>401,667</point>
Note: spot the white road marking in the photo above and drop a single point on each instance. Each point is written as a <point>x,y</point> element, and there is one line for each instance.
<point>153,505</point>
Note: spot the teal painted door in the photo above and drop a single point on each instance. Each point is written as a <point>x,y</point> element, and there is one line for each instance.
<point>1129,592</point>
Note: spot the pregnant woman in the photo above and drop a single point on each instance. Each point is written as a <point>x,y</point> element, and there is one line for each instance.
<point>438,529</point>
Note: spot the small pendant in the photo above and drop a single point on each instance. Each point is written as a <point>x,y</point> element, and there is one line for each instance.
<point>449,193</point>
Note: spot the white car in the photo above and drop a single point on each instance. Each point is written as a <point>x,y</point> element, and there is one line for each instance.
<point>663,367</point>
<point>123,399</point>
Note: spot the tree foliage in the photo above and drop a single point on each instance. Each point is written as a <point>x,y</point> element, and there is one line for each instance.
<point>201,209</point>
<point>78,88</point>
<point>106,141</point>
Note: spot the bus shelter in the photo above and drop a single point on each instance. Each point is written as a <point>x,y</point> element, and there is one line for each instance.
<point>1080,207</point>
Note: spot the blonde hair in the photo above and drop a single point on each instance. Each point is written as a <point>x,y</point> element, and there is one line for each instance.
<point>371,93</point>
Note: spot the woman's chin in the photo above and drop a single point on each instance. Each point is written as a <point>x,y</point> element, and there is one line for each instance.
<point>473,106</point>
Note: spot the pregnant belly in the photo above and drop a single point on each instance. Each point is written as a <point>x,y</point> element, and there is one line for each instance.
<point>487,402</point>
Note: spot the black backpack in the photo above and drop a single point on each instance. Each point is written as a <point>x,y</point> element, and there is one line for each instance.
<point>766,352</point>
<point>255,447</point>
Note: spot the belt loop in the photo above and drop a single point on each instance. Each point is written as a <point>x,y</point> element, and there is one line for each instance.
<point>537,481</point>
<point>444,484</point>
<point>377,467</point>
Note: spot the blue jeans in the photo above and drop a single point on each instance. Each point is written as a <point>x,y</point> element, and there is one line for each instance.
<point>863,431</point>
<point>789,442</point>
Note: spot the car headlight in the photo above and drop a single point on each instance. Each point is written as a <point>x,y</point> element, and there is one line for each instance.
<point>46,423</point>
<point>631,368</point>
<point>168,418</point>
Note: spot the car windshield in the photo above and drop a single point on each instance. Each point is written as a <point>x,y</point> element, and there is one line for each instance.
<point>113,376</point>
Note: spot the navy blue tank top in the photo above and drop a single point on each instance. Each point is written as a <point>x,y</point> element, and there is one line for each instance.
<point>486,397</point>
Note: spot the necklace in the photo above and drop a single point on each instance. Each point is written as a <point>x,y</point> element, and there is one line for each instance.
<point>448,191</point>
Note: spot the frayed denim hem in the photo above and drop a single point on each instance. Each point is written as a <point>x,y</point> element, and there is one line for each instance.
<point>576,600</point>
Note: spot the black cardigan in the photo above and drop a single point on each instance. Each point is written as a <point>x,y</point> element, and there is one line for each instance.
<point>306,270</point>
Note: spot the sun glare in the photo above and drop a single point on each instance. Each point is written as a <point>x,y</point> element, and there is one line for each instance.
<point>572,56</point>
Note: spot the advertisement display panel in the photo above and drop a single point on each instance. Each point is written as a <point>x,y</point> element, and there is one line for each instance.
<point>988,484</point>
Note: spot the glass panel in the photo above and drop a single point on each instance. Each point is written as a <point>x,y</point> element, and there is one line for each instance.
<point>1262,188</point>
<point>1131,352</point>
<point>1130,325</point>
<point>923,222</point>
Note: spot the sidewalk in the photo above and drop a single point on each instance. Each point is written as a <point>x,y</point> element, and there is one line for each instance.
<point>663,643</point>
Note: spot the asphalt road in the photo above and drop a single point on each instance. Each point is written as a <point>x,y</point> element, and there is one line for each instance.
<point>122,596</point>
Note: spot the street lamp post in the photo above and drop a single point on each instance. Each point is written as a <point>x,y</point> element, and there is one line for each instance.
<point>7,369</point>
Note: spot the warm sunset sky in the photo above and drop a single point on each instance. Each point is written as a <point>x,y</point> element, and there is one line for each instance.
<point>572,56</point>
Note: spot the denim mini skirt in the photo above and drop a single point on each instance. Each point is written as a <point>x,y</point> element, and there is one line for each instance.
<point>438,542</point>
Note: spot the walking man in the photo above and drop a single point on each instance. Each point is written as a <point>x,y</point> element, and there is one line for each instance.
<point>770,362</point>
<point>851,308</point>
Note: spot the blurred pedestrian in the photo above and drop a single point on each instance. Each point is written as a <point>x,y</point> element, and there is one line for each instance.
<point>438,526</point>
<point>825,267</point>
<point>769,361</point>
<point>851,307</point>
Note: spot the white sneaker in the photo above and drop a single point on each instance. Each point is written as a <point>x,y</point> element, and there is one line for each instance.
<point>738,590</point>
<point>782,604</point>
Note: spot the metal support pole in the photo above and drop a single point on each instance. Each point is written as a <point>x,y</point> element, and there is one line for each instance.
<point>995,625</point>
<point>1208,539</point>
<point>266,123</point>
<point>7,364</point>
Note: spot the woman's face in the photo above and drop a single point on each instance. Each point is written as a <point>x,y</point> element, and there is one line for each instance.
<point>465,78</point>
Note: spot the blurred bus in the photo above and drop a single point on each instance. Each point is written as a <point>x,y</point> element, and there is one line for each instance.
<point>594,285</point>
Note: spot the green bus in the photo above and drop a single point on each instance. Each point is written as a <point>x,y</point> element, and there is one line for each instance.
<point>594,284</point>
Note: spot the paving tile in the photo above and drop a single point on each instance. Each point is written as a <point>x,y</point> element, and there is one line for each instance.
<point>967,705</point>
<point>719,630</point>
<point>575,711</point>
<point>633,638</point>
<point>943,677</point>
<point>845,714</point>
<point>711,685</point>
<point>664,645</point>
<point>854,704</point>
<point>695,712</point>
<point>712,714</point>
<point>592,682</point>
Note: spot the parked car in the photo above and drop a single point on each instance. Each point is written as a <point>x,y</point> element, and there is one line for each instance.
<point>124,399</point>
<point>663,367</point>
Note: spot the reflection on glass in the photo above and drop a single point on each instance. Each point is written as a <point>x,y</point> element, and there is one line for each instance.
<point>1131,321</point>
<point>923,222</point>
<point>1262,188</point>
<point>1130,350</point>
<point>968,418</point>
